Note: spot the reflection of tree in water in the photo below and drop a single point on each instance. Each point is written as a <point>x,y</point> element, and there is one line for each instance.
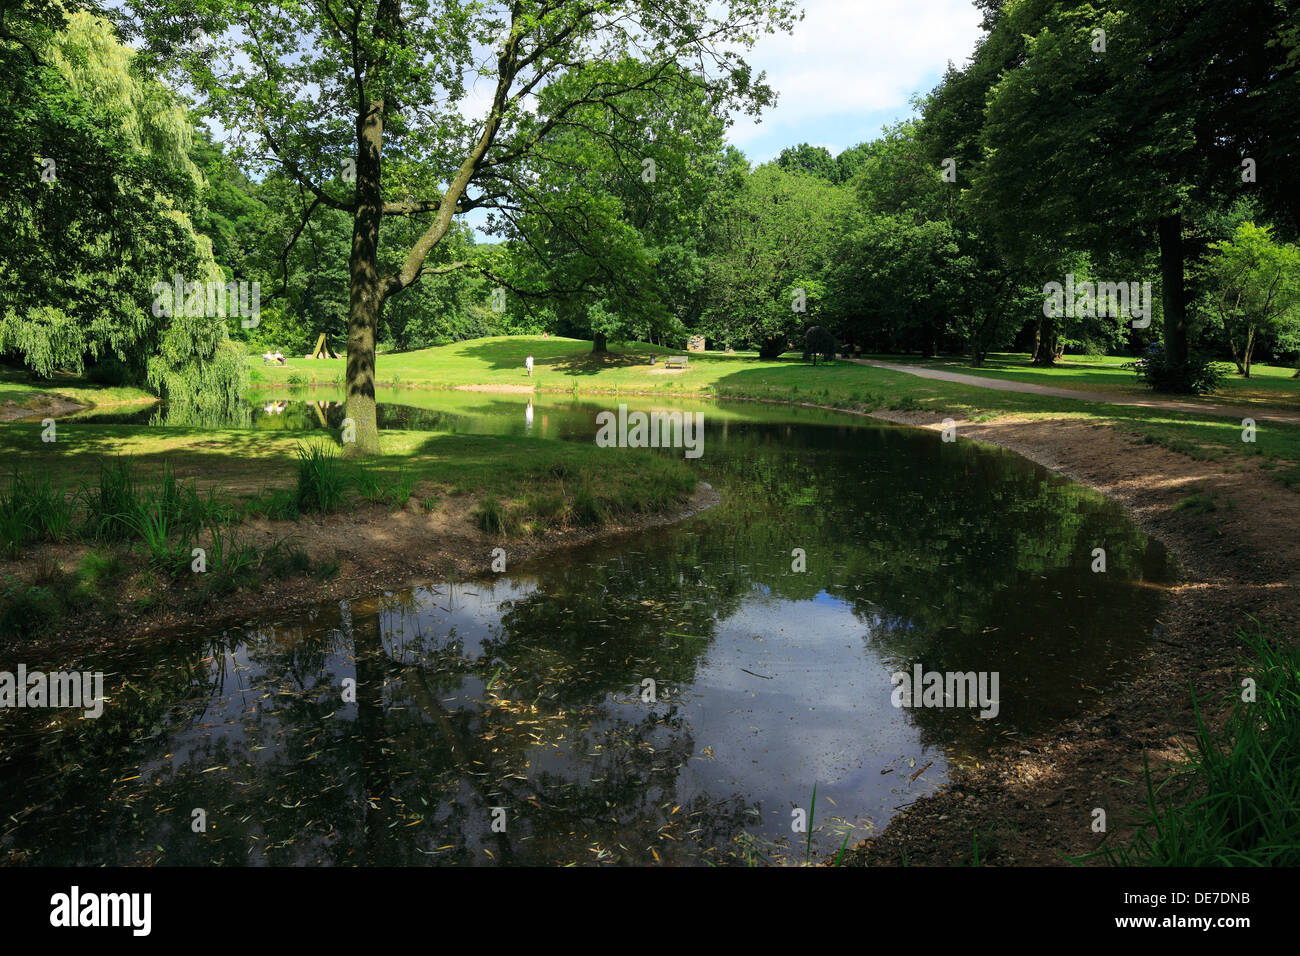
<point>288,773</point>
<point>593,631</point>
<point>956,560</point>
<point>63,796</point>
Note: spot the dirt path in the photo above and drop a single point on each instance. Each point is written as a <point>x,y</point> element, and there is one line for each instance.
<point>1034,802</point>
<point>1003,385</point>
<point>12,411</point>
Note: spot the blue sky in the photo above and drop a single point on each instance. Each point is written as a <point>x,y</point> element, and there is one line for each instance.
<point>851,67</point>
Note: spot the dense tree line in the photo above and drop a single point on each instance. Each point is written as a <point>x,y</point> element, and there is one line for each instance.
<point>1075,152</point>
<point>1134,156</point>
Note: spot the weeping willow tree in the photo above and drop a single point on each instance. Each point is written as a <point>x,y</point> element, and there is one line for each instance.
<point>98,194</point>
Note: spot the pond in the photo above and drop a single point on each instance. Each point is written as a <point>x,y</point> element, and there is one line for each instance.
<point>667,697</point>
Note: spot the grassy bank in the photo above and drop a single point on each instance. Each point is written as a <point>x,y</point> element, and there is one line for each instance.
<point>250,464</point>
<point>567,365</point>
<point>124,507</point>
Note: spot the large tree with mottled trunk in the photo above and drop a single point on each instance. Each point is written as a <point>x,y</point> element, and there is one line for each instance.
<point>431,108</point>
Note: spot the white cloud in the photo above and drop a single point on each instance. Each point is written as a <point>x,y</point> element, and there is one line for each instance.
<point>850,58</point>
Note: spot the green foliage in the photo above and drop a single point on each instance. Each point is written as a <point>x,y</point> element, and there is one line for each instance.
<point>1254,289</point>
<point>1233,800</point>
<point>98,195</point>
<point>772,245</point>
<point>613,238</point>
<point>1196,376</point>
<point>29,611</point>
<point>817,341</point>
<point>322,483</point>
<point>811,161</point>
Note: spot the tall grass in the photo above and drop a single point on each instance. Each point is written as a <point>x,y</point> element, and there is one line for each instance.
<point>322,484</point>
<point>496,518</point>
<point>1234,798</point>
<point>111,504</point>
<point>166,543</point>
<point>33,509</point>
<point>394,491</point>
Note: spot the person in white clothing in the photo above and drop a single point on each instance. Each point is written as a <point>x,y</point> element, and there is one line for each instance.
<point>528,364</point>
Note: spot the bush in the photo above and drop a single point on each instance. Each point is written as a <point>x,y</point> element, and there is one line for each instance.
<point>111,371</point>
<point>817,342</point>
<point>1199,375</point>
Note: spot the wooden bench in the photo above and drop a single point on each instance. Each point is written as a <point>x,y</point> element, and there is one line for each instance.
<point>676,361</point>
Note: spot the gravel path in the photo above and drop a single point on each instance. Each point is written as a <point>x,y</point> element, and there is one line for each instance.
<point>1003,385</point>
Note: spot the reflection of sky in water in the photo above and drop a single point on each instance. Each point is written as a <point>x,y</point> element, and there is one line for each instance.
<point>769,681</point>
<point>824,715</point>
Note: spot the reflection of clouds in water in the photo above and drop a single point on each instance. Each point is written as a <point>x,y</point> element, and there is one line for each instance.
<point>824,716</point>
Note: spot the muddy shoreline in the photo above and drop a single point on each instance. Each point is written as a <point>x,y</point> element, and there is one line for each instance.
<point>1034,802</point>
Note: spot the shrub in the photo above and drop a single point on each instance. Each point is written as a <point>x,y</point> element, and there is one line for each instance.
<point>1197,376</point>
<point>817,341</point>
<point>27,611</point>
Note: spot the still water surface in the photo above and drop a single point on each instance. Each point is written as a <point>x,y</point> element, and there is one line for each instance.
<point>528,692</point>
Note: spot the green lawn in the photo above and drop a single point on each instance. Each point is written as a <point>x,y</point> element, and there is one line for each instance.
<point>568,365</point>
<point>246,462</point>
<point>560,364</point>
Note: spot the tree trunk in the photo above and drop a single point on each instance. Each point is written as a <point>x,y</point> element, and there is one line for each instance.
<point>599,344</point>
<point>1250,347</point>
<point>1038,340</point>
<point>364,297</point>
<point>1045,343</point>
<point>1173,289</point>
